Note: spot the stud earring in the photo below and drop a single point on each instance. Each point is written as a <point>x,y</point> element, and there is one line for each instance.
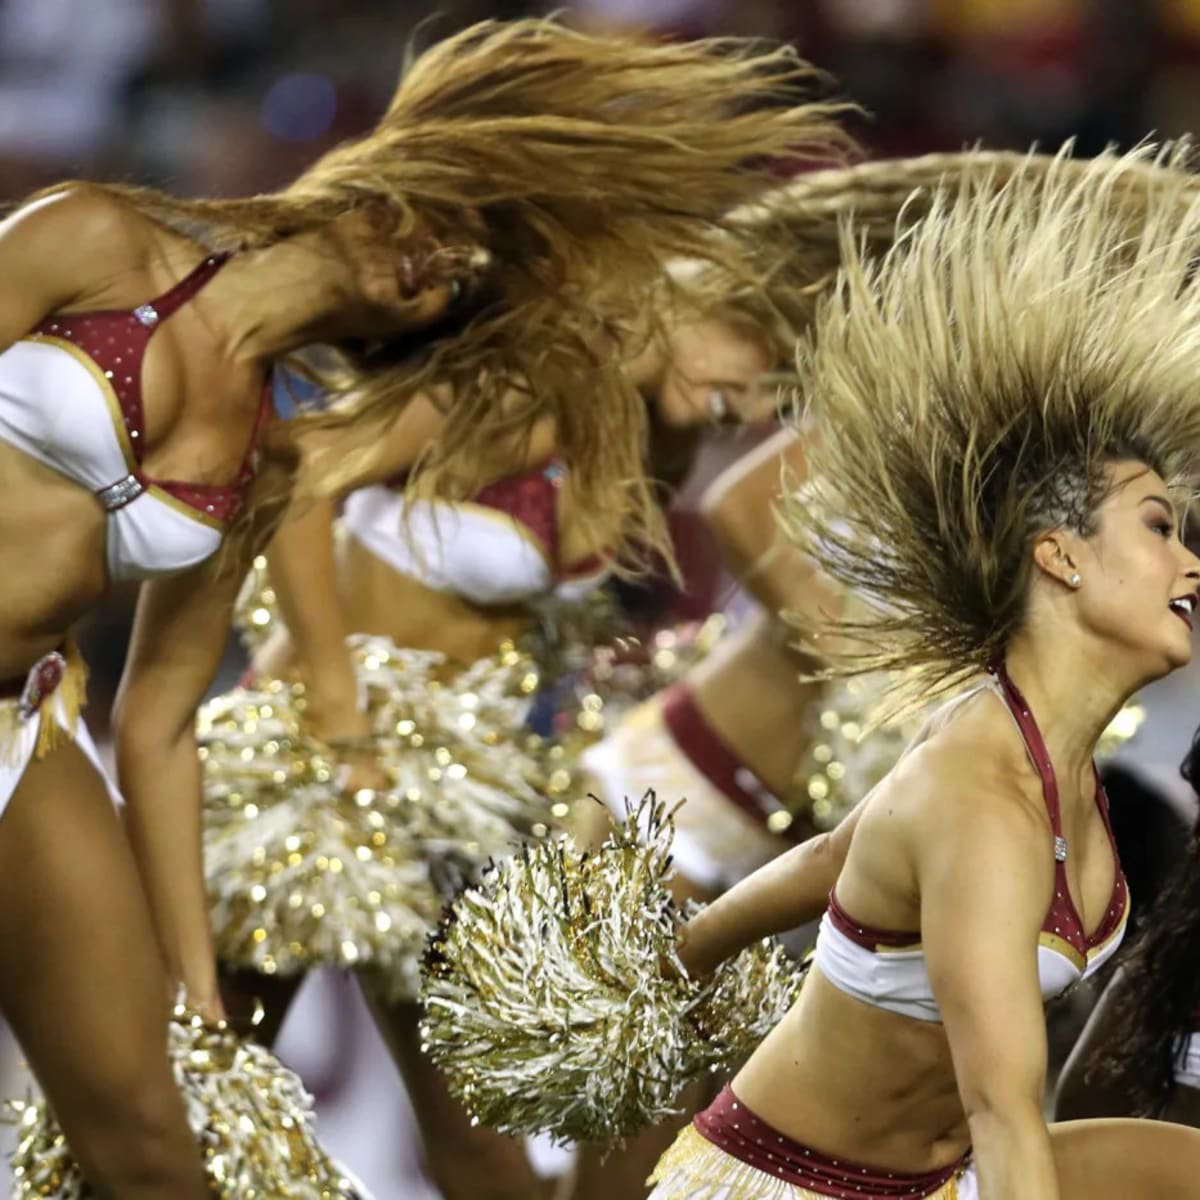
<point>1074,580</point>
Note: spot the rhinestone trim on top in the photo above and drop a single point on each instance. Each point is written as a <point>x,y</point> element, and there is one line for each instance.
<point>121,493</point>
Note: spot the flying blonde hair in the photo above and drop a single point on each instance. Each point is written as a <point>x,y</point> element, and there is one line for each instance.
<point>583,165</point>
<point>968,389</point>
<point>792,236</point>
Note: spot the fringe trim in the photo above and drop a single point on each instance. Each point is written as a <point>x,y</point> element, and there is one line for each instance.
<point>57,715</point>
<point>694,1169</point>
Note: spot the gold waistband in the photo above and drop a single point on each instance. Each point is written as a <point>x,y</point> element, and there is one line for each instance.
<point>695,1169</point>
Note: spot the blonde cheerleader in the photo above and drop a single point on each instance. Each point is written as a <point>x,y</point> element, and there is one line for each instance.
<point>1001,449</point>
<point>1005,419</point>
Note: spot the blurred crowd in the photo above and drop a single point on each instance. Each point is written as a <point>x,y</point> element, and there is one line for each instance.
<point>229,96</point>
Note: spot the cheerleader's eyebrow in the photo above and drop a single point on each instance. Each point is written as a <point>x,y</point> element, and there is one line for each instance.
<point>1162,500</point>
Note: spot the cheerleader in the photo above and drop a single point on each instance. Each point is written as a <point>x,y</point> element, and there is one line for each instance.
<point>1047,561</point>
<point>136,432</point>
<point>1139,1054</point>
<point>404,655</point>
<point>379,751</point>
<point>378,754</point>
<point>1005,416</point>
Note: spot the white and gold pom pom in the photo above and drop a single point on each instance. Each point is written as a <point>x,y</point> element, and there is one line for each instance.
<point>454,743</point>
<point>555,1001</point>
<point>300,874</point>
<point>250,1114</point>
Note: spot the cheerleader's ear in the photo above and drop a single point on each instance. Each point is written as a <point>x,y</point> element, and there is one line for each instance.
<point>1054,556</point>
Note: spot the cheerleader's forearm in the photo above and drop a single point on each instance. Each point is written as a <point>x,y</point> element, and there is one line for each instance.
<point>789,891</point>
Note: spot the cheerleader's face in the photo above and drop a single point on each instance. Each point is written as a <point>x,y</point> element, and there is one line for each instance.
<point>712,376</point>
<point>1138,582</point>
<point>395,286</point>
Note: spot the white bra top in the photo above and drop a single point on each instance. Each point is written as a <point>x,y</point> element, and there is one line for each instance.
<point>498,549</point>
<point>896,978</point>
<point>887,969</point>
<point>70,397</point>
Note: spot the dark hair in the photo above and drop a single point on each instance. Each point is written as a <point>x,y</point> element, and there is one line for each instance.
<point>1161,994</point>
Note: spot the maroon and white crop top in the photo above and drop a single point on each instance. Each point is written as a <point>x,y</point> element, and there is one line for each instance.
<point>887,968</point>
<point>499,548</point>
<point>71,397</point>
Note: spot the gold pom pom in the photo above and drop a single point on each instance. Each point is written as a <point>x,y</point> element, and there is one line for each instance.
<point>250,1114</point>
<point>555,1001</point>
<point>301,873</point>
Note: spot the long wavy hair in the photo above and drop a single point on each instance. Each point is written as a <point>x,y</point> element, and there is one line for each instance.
<point>793,235</point>
<point>583,165</point>
<point>1160,990</point>
<point>969,388</point>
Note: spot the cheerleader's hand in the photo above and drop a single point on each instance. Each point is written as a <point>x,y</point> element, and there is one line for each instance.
<point>360,772</point>
<point>358,766</point>
<point>346,731</point>
<point>211,1009</point>
<point>692,947</point>
<point>205,1003</point>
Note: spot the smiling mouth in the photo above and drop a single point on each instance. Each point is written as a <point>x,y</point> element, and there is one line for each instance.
<point>1182,607</point>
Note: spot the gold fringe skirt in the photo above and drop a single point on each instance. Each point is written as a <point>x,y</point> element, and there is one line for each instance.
<point>695,1169</point>
<point>301,874</point>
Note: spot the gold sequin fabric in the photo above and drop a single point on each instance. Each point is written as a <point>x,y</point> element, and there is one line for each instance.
<point>300,873</point>
<point>250,1114</point>
<point>695,1169</point>
<point>555,1002</point>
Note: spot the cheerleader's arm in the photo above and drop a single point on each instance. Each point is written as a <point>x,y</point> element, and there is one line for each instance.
<point>303,574</point>
<point>740,509</point>
<point>179,638</point>
<point>787,892</point>
<point>985,884</point>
